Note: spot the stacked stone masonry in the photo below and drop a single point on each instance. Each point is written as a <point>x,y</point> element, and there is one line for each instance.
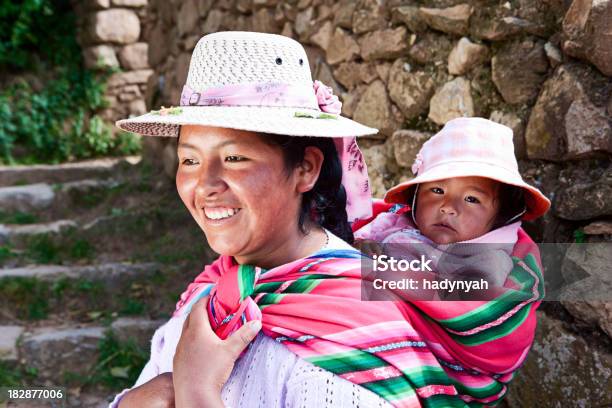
<point>406,67</point>
<point>538,67</point>
<point>113,37</point>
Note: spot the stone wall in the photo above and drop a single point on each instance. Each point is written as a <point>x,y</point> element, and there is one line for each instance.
<point>407,67</point>
<point>542,67</point>
<point>112,35</point>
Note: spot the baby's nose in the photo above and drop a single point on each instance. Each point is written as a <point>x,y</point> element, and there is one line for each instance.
<point>448,210</point>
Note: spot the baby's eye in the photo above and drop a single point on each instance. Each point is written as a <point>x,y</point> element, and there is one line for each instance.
<point>472,199</point>
<point>437,190</point>
<point>188,162</point>
<point>232,159</point>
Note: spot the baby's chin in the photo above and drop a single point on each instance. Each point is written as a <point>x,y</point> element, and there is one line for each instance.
<point>440,236</point>
<point>444,240</point>
<point>446,237</point>
<point>450,238</point>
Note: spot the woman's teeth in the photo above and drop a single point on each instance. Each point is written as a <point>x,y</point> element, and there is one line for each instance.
<point>219,213</point>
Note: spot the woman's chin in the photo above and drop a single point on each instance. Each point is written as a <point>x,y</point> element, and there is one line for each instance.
<point>228,243</point>
<point>223,246</point>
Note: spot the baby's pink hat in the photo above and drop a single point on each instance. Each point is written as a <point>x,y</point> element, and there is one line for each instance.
<point>471,147</point>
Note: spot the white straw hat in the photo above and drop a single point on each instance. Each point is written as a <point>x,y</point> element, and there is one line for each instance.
<point>250,81</point>
<point>262,83</point>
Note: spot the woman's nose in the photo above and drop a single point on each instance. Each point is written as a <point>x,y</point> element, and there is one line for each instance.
<point>210,181</point>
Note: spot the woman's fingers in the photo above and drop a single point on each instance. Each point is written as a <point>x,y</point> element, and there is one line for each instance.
<point>241,338</point>
<point>369,247</point>
<point>236,343</point>
<point>377,248</point>
<point>199,315</point>
<point>198,347</point>
<point>198,318</point>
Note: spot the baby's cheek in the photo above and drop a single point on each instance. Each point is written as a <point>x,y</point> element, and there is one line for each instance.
<point>475,227</point>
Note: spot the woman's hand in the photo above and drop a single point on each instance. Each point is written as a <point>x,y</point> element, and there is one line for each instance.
<point>368,247</point>
<point>203,362</point>
<point>156,393</point>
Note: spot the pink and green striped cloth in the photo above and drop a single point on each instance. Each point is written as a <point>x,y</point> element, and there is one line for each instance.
<point>411,353</point>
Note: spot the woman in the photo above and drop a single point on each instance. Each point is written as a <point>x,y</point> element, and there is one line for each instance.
<point>275,205</point>
<point>253,192</point>
<point>225,178</point>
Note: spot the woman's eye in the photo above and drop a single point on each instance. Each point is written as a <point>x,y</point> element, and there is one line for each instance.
<point>437,190</point>
<point>234,158</point>
<point>472,199</point>
<point>188,162</point>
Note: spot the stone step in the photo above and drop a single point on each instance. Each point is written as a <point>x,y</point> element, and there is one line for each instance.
<point>133,225</point>
<point>19,234</point>
<point>83,293</point>
<point>61,173</point>
<point>110,273</point>
<point>61,198</point>
<point>9,335</point>
<point>70,353</point>
<point>27,198</point>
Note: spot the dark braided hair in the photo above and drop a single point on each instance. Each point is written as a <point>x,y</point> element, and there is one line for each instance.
<point>326,202</point>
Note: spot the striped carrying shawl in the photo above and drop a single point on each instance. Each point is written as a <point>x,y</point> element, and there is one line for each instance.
<point>411,353</point>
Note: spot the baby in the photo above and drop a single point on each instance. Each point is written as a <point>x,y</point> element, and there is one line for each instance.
<point>467,189</point>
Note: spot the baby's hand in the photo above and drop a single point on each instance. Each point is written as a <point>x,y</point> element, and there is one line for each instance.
<point>368,247</point>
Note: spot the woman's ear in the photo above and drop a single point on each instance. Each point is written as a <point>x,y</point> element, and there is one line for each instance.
<point>308,171</point>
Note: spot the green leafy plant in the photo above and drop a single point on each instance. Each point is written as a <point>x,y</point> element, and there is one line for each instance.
<point>29,296</point>
<point>5,253</point>
<point>132,307</point>
<point>22,25</point>
<point>118,365</point>
<point>52,249</point>
<point>17,218</point>
<point>81,249</point>
<point>32,298</point>
<point>119,362</point>
<point>52,117</point>
<point>43,249</point>
<point>12,375</point>
<point>579,236</point>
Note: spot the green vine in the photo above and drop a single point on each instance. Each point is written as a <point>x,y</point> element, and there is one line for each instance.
<point>48,112</point>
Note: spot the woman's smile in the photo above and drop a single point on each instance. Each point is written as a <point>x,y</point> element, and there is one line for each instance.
<point>220,213</point>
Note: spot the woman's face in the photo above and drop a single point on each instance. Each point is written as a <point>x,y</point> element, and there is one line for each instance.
<point>457,209</point>
<point>238,191</point>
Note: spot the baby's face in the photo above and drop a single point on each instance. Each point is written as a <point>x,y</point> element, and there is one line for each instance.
<point>457,209</point>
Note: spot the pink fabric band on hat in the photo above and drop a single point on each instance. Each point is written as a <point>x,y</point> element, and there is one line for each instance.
<point>354,171</point>
<point>257,94</point>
